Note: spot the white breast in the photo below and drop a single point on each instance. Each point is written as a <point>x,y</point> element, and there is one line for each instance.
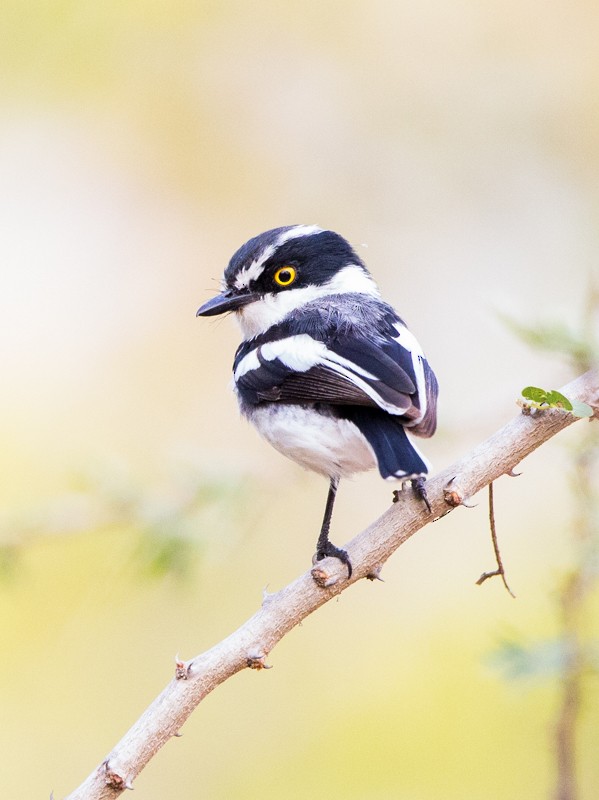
<point>313,439</point>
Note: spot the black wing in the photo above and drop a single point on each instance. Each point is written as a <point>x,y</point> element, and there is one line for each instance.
<point>343,369</point>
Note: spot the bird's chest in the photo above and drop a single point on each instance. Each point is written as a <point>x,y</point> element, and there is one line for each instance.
<point>313,437</point>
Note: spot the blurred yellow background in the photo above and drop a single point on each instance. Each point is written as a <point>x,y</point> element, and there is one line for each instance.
<point>456,145</point>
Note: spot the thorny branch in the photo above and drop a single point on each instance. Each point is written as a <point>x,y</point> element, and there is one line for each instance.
<point>250,644</point>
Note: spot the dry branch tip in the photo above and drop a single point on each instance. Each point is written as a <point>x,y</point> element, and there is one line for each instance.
<point>451,495</point>
<point>113,779</point>
<point>326,578</point>
<point>486,575</point>
<point>454,497</point>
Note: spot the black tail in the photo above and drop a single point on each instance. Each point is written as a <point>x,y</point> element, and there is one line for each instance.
<point>396,455</point>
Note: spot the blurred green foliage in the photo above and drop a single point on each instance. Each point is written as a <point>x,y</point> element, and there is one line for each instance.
<point>556,338</point>
<point>173,524</point>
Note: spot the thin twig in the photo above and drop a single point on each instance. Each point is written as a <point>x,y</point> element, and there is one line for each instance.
<point>500,569</point>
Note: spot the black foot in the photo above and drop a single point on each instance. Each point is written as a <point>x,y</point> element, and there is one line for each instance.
<point>335,552</point>
<point>419,490</point>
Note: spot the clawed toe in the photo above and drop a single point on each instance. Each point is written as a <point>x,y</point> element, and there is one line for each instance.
<point>329,549</point>
<point>419,489</point>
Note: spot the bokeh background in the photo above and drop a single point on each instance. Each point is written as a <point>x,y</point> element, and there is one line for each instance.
<point>457,146</point>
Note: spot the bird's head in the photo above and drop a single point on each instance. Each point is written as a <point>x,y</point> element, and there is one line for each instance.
<point>281,270</point>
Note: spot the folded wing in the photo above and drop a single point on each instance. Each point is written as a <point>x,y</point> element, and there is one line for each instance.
<point>387,372</point>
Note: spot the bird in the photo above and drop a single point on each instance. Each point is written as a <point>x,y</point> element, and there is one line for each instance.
<point>326,371</point>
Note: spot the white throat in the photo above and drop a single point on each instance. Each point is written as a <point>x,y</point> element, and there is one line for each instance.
<point>258,317</point>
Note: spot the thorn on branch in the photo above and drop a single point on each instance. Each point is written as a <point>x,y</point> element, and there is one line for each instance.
<point>500,569</point>
<point>513,474</point>
<point>257,661</point>
<point>375,574</point>
<point>266,595</point>
<point>182,670</point>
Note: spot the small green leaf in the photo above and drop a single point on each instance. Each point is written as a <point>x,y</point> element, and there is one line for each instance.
<point>581,409</point>
<point>555,398</point>
<point>535,394</point>
<point>541,398</point>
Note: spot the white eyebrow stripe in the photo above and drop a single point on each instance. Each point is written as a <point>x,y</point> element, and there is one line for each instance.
<point>296,232</point>
<point>253,271</point>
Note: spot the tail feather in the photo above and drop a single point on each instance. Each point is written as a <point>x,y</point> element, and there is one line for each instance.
<point>395,454</point>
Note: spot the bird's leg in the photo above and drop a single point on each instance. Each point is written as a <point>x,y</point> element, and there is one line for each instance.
<point>324,547</point>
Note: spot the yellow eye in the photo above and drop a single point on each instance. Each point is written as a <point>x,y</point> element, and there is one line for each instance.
<point>285,276</point>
